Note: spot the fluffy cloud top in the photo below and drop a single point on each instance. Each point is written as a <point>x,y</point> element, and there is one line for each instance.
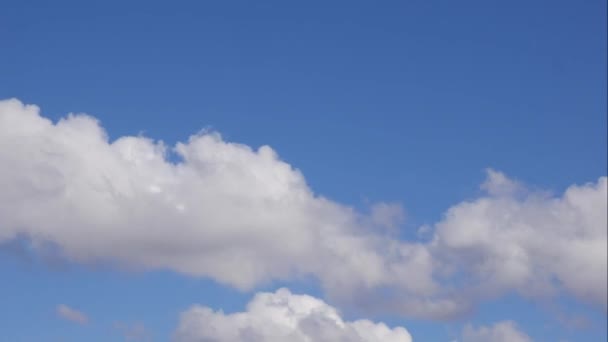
<point>515,239</point>
<point>282,316</point>
<point>228,212</point>
<point>244,217</point>
<point>71,314</point>
<point>505,331</point>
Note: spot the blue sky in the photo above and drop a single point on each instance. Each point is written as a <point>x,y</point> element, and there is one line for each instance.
<point>392,102</point>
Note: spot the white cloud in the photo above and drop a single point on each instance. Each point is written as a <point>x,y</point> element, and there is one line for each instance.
<point>529,242</point>
<point>505,331</point>
<point>71,314</point>
<point>243,217</point>
<point>282,316</point>
<point>240,216</point>
<point>498,184</point>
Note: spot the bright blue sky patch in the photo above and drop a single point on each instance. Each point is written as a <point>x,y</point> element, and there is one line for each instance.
<point>438,167</point>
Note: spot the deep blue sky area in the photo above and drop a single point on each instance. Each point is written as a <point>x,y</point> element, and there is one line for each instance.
<point>397,101</point>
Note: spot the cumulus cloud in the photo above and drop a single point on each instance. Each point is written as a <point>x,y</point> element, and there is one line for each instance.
<point>225,211</point>
<point>531,242</point>
<point>282,316</point>
<point>71,314</point>
<point>506,331</point>
<point>244,217</point>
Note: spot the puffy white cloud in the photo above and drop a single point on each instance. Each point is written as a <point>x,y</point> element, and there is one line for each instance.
<point>243,217</point>
<point>71,314</point>
<point>528,241</point>
<point>282,316</point>
<point>505,331</point>
<point>228,212</point>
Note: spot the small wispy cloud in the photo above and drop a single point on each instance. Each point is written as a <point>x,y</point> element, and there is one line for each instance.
<point>505,331</point>
<point>71,314</point>
<point>133,331</point>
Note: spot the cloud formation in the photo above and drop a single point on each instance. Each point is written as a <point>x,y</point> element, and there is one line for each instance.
<point>237,215</point>
<point>243,217</point>
<point>71,314</point>
<point>282,316</point>
<point>514,239</point>
<point>506,331</point>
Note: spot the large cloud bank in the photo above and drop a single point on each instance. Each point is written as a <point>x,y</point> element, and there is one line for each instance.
<point>282,316</point>
<point>244,217</point>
